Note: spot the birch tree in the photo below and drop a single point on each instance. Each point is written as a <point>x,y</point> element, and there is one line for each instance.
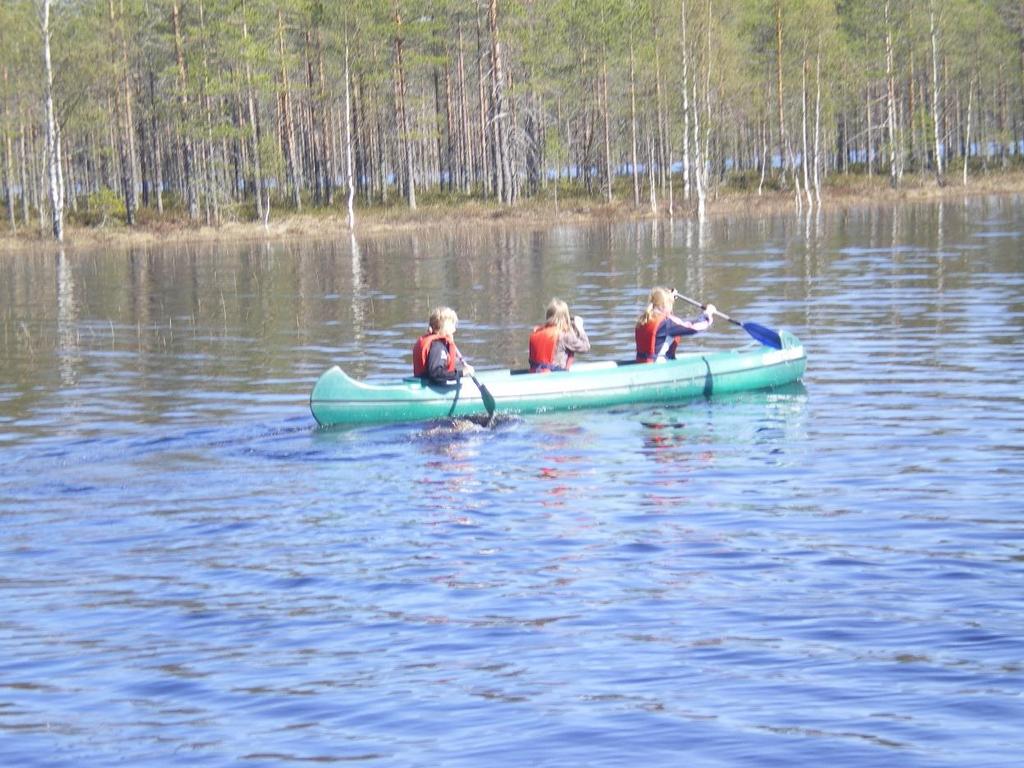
<point>56,182</point>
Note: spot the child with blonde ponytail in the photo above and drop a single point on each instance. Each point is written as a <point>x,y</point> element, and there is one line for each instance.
<point>658,331</point>
<point>554,345</point>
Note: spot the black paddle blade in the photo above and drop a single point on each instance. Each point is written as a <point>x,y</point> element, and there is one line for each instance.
<point>766,336</point>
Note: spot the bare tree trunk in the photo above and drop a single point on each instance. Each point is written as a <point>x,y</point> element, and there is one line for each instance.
<point>314,129</point>
<point>403,118</point>
<point>870,146</point>
<point>69,184</point>
<point>443,136</point>
<point>465,148</point>
<point>686,103</point>
<point>650,176</point>
<point>500,118</point>
<point>287,124</point>
<point>23,154</point>
<point>122,112</point>
<point>967,135</point>
<point>348,144</point>
<point>8,185</point>
<point>37,176</point>
<point>607,129</point>
<point>765,139</point>
<point>817,126</point>
<point>212,204</point>
<point>262,211</point>
<point>783,138</point>
<point>8,164</point>
<point>154,138</point>
<point>664,167</point>
<point>632,127</point>
<point>936,93</point>
<point>52,136</point>
<point>700,170</point>
<point>186,142</point>
<point>895,150</point>
<point>803,129</point>
<point>129,120</point>
<point>484,156</point>
<point>326,122</point>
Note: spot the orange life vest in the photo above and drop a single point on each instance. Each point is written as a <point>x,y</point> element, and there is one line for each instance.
<point>647,340</point>
<point>543,345</point>
<point>421,352</point>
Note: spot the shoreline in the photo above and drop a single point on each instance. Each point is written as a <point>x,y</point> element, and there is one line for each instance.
<point>847,192</point>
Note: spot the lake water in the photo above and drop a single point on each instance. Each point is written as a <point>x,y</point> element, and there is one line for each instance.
<point>195,574</point>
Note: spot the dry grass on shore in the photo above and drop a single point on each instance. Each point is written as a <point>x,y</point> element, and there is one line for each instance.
<point>841,192</point>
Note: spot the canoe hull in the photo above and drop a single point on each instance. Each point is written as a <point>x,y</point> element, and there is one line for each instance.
<point>339,399</point>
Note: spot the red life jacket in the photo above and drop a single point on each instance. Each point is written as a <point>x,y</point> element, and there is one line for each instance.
<point>647,340</point>
<point>421,352</point>
<point>543,344</point>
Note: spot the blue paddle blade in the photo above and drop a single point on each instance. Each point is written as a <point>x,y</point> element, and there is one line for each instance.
<point>766,336</point>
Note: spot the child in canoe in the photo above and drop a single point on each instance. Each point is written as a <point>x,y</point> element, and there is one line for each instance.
<point>554,344</point>
<point>434,355</point>
<point>658,331</point>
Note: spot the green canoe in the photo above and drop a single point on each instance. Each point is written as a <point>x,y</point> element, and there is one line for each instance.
<point>339,399</point>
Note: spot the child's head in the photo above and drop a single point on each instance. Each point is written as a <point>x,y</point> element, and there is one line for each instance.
<point>443,320</point>
<point>558,315</point>
<point>660,302</point>
<point>662,299</point>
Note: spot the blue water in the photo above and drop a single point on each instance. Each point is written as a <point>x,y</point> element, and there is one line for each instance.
<point>195,574</point>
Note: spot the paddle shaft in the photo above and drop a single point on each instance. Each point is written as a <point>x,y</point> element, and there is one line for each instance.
<point>766,336</point>
<point>696,303</point>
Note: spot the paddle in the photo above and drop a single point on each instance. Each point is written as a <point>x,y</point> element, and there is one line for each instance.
<point>766,336</point>
<point>485,395</point>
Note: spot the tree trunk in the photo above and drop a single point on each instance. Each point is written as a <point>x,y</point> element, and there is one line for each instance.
<point>605,109</point>
<point>69,184</point>
<point>262,211</point>
<point>483,163</point>
<point>348,144</point>
<point>8,163</point>
<point>936,93</point>
<point>154,138</point>
<point>212,204</point>
<point>465,144</point>
<point>8,184</point>
<point>287,124</point>
<point>403,118</point>
<point>632,127</point>
<point>186,142</point>
<point>326,123</point>
<point>23,154</point>
<point>967,133</point>
<point>500,119</point>
<point>126,121</point>
<point>699,161</point>
<point>783,138</point>
<point>52,136</point>
<point>765,139</point>
<point>817,126</point>
<point>867,141</point>
<point>895,150</point>
<point>686,103</point>
<point>803,130</point>
<point>661,153</point>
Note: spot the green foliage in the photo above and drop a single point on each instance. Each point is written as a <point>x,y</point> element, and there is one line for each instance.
<point>101,208</point>
<point>556,54</point>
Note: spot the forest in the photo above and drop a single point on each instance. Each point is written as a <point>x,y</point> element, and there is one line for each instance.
<point>205,111</point>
